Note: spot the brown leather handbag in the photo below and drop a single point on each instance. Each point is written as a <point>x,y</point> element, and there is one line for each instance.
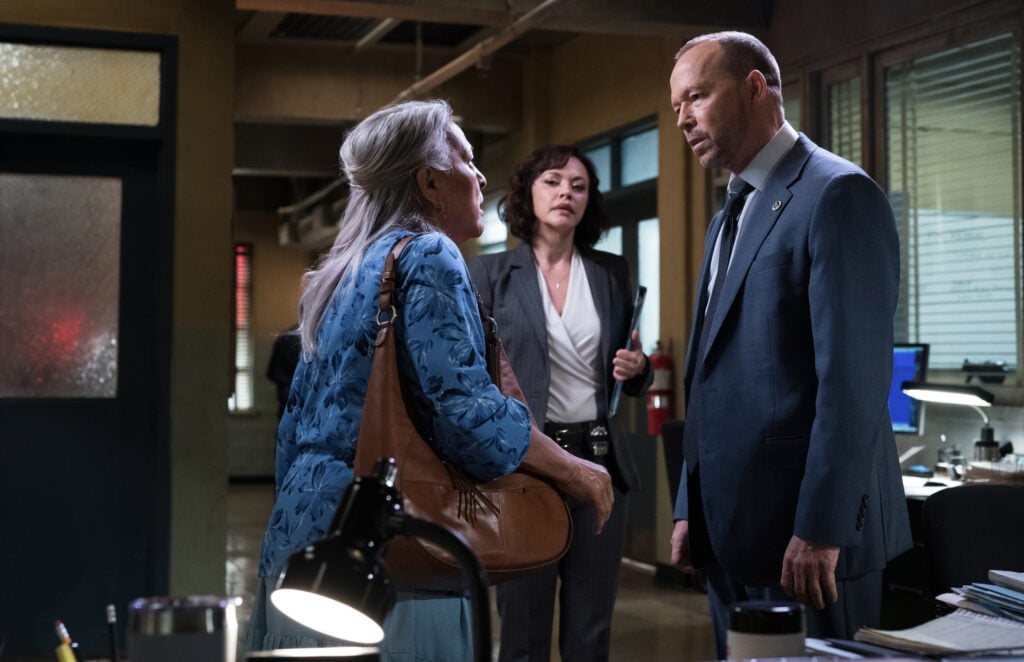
<point>514,524</point>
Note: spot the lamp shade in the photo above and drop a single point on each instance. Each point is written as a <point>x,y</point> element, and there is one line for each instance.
<point>952,394</point>
<point>337,585</point>
<point>331,590</point>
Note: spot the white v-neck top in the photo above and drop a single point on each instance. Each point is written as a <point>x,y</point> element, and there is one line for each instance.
<point>574,346</point>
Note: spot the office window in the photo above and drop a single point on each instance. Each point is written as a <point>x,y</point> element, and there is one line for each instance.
<point>639,157</point>
<point>791,102</point>
<point>952,122</point>
<point>624,157</point>
<point>844,120</point>
<point>602,158</point>
<point>611,241</point>
<point>495,235</point>
<point>649,275</point>
<point>627,163</point>
<point>241,399</point>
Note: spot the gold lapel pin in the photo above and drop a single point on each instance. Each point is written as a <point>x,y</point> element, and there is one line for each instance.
<point>777,205</point>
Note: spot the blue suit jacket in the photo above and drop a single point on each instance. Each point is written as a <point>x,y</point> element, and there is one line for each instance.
<point>786,406</point>
<point>507,283</point>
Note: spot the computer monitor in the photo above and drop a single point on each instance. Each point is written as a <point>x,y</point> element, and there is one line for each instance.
<point>909,363</point>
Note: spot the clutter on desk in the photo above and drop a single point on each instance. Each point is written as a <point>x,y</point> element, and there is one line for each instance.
<point>989,619</point>
<point>1003,597</point>
<point>67,650</point>
<point>986,372</point>
<point>962,631</point>
<point>1008,469</point>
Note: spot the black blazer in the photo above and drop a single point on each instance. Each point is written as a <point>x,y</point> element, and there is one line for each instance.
<point>508,285</point>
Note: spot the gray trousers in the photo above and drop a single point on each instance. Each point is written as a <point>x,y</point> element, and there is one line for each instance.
<point>590,577</point>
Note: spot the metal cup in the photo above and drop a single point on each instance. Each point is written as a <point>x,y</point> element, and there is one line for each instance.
<point>197,628</point>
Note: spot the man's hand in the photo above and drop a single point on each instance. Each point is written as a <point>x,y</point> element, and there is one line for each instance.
<point>681,546</point>
<point>809,572</point>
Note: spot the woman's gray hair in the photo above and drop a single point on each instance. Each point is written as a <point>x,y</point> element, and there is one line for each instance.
<point>379,158</point>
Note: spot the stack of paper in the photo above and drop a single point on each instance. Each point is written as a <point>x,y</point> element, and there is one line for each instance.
<point>960,632</point>
<point>1004,597</point>
<point>1007,578</point>
<point>990,617</point>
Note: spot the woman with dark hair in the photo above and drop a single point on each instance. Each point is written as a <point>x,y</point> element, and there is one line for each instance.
<point>410,172</point>
<point>563,311</point>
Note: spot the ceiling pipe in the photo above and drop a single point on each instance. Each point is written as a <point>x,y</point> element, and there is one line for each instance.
<point>378,32</point>
<point>477,53</point>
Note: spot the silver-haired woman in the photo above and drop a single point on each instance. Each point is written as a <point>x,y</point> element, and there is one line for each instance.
<point>410,171</point>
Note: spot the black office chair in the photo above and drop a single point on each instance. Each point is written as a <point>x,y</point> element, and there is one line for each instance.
<point>971,529</point>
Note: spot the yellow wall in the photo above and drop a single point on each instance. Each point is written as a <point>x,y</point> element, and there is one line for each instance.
<point>202,244</point>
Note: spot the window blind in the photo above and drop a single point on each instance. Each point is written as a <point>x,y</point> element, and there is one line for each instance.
<point>844,120</point>
<point>242,398</point>
<point>953,146</point>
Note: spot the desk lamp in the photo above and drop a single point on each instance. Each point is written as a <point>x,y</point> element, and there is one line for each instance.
<point>974,397</point>
<point>339,586</point>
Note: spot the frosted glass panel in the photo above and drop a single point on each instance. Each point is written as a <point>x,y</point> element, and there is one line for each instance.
<point>79,84</point>
<point>640,157</point>
<point>649,275</point>
<point>60,245</point>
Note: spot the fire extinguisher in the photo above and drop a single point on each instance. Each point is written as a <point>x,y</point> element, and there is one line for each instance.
<point>659,395</point>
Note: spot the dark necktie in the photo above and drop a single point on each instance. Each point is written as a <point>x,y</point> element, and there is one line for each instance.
<point>738,192</point>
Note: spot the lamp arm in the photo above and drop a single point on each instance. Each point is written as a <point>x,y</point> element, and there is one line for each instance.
<point>983,415</point>
<point>454,544</point>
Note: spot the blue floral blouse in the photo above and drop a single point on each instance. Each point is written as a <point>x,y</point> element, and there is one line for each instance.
<point>440,342</point>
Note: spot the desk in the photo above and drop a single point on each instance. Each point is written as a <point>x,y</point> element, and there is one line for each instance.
<point>920,488</point>
<point>906,600</point>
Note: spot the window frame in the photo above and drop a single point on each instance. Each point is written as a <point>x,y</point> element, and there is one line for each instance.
<point>870,63</point>
<point>952,37</point>
<point>242,251</point>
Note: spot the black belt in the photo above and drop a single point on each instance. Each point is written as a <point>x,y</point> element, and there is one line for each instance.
<point>586,439</point>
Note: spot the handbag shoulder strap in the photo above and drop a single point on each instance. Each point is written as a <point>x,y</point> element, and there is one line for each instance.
<point>492,342</point>
<point>388,283</point>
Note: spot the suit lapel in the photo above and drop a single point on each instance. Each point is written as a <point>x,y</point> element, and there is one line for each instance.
<point>760,218</point>
<point>700,297</point>
<point>523,284</point>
